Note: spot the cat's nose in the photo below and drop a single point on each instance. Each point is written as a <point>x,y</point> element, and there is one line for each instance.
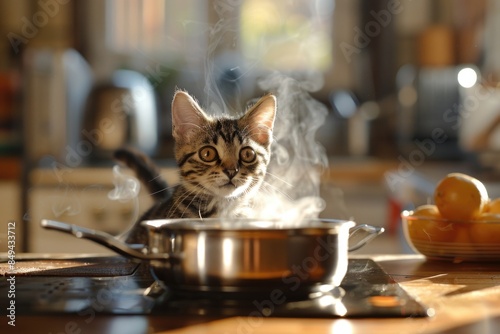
<point>230,172</point>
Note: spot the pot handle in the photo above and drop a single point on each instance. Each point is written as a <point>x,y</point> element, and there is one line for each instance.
<point>371,233</point>
<point>104,239</point>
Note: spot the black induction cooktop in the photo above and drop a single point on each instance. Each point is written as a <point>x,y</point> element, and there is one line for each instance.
<point>116,285</point>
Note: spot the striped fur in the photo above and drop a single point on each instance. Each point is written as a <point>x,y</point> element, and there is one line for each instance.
<point>222,163</point>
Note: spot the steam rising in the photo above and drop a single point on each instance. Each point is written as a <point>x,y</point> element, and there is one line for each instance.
<point>293,183</point>
<point>126,188</point>
<point>291,190</point>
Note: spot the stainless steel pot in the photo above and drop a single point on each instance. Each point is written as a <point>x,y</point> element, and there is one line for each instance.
<point>212,255</point>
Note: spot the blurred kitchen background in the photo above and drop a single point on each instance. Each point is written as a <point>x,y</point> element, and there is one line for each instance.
<point>411,88</point>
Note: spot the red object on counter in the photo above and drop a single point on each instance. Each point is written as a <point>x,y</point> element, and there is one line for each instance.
<point>394,215</point>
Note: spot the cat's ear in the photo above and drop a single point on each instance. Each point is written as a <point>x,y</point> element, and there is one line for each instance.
<point>187,116</point>
<point>260,119</point>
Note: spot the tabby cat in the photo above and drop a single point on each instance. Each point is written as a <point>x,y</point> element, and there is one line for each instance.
<point>222,163</point>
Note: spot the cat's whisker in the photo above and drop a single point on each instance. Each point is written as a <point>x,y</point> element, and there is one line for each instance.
<point>176,203</point>
<point>279,179</point>
<point>275,189</point>
<point>159,176</point>
<point>161,190</point>
<point>196,195</point>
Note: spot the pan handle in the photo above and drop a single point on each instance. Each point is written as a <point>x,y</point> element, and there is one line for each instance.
<point>104,239</point>
<point>371,233</point>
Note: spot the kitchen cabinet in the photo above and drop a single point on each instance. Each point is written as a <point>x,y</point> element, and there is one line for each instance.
<point>86,206</point>
<point>80,196</point>
<point>10,211</point>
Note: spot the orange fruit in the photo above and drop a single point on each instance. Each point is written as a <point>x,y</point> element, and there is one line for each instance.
<point>462,233</point>
<point>460,197</point>
<point>486,229</point>
<point>493,206</point>
<point>426,224</point>
<point>427,210</point>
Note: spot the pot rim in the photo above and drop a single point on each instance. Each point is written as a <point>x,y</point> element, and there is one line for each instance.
<point>243,224</point>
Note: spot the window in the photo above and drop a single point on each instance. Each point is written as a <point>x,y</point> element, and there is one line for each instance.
<point>172,29</point>
<point>288,34</point>
<point>273,34</point>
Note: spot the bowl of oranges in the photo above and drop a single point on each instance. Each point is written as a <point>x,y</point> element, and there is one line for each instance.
<point>463,224</point>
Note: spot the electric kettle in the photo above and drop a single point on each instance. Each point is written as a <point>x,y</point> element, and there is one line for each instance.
<point>120,112</point>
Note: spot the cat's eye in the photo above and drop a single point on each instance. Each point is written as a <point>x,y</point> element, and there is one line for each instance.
<point>208,154</point>
<point>248,155</point>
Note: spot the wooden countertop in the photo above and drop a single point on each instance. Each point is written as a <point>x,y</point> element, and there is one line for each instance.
<point>460,294</point>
